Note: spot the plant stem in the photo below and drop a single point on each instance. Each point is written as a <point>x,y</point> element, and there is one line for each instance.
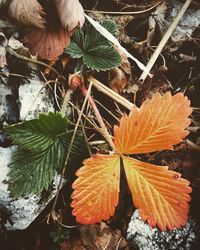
<point>103,130</point>
<point>123,12</point>
<point>25,58</point>
<point>65,101</point>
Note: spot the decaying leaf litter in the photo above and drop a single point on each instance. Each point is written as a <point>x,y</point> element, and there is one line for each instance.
<point>140,31</point>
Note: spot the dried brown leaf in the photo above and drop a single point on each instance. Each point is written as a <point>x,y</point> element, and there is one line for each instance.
<point>47,44</point>
<point>118,80</point>
<point>71,13</point>
<point>126,66</point>
<point>27,12</point>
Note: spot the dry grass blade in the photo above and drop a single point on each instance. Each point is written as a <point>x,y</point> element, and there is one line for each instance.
<point>164,41</point>
<point>70,147</point>
<point>124,12</point>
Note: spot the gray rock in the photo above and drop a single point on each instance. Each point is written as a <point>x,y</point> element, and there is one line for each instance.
<point>188,23</point>
<point>141,236</point>
<point>34,98</point>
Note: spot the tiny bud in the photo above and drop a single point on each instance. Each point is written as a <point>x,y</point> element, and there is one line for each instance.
<point>75,80</point>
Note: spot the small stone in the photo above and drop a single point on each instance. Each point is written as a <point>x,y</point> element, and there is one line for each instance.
<point>143,237</point>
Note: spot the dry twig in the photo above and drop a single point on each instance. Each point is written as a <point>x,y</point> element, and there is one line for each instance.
<point>107,91</point>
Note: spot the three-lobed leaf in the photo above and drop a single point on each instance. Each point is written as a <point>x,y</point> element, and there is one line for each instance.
<point>96,52</point>
<point>161,195</point>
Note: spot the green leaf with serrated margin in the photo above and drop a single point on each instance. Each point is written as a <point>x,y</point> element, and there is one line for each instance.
<point>76,47</point>
<point>94,49</point>
<point>41,152</point>
<point>100,58</point>
<point>38,134</point>
<point>94,39</point>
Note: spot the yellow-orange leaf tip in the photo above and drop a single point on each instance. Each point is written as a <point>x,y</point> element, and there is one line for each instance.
<point>159,124</point>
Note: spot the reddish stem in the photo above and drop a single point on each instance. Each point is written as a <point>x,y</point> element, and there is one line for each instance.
<point>104,130</point>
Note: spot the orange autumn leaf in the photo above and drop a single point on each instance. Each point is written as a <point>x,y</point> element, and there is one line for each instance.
<point>161,195</point>
<point>157,125</point>
<point>97,189</point>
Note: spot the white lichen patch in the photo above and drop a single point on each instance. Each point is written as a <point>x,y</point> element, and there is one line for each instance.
<point>34,99</point>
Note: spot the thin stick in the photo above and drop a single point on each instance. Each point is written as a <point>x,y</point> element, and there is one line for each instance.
<point>112,94</point>
<point>123,12</point>
<point>69,149</point>
<point>25,58</point>
<point>78,111</point>
<point>109,112</point>
<point>66,101</point>
<point>103,130</point>
<point>193,145</point>
<point>164,41</point>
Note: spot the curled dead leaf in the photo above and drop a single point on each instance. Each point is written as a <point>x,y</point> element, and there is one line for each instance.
<point>27,12</point>
<point>119,77</point>
<point>71,13</point>
<point>126,66</point>
<point>118,80</point>
<point>47,44</point>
